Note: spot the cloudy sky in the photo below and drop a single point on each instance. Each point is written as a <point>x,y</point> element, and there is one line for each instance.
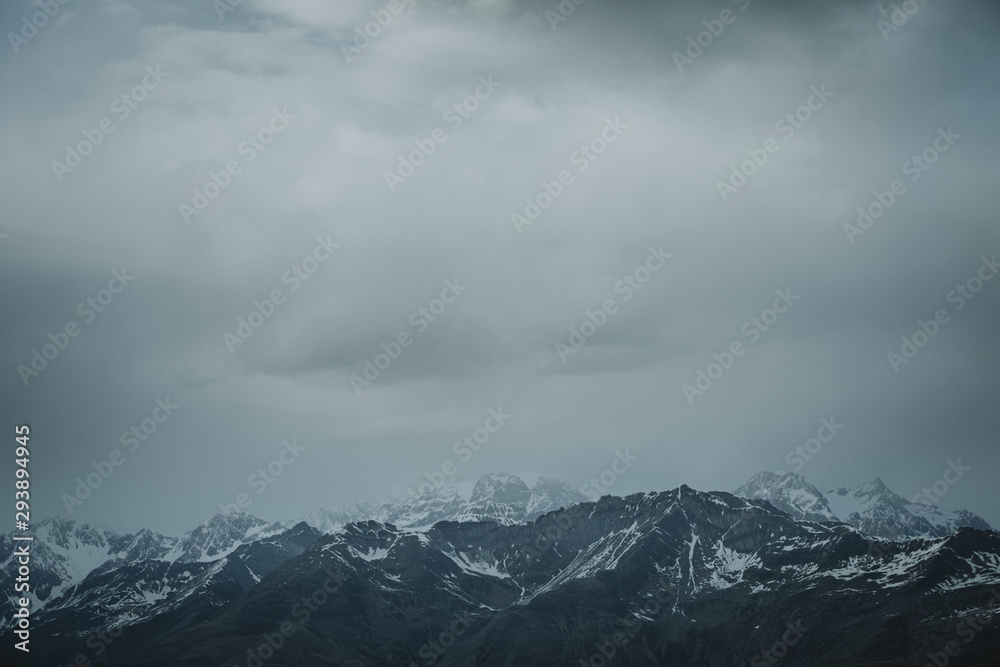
<point>212,155</point>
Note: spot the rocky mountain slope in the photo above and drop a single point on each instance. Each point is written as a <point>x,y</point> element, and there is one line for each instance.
<point>64,553</point>
<point>790,493</point>
<point>484,574</point>
<point>155,597</point>
<point>504,498</point>
<point>679,578</point>
<point>872,508</point>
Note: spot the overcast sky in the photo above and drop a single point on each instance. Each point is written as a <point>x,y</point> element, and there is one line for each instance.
<point>203,85</point>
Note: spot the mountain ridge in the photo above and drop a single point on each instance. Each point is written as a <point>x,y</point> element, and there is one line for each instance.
<point>727,571</point>
<point>510,574</point>
<point>871,507</point>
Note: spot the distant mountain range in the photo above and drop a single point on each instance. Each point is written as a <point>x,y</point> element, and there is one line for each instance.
<point>503,498</point>
<point>872,508</point>
<point>500,572</point>
<point>66,553</point>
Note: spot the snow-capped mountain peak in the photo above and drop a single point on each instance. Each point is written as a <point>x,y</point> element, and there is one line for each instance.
<point>704,550</point>
<point>718,566</point>
<point>500,488</point>
<point>500,497</point>
<point>65,552</point>
<point>873,508</point>
<point>220,536</point>
<point>791,493</point>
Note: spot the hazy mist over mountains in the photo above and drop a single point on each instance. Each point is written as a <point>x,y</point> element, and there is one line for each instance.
<point>518,292</point>
<point>507,545</point>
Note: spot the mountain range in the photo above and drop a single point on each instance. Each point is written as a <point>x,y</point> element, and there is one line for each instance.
<point>498,572</point>
<point>872,508</point>
<point>503,498</point>
<point>66,553</point>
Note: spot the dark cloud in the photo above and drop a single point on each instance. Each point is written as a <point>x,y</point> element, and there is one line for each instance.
<point>324,176</point>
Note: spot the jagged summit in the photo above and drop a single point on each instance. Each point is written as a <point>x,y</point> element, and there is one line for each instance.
<point>719,566</point>
<point>790,493</point>
<point>501,497</point>
<point>500,488</point>
<point>873,508</point>
<point>221,535</point>
<point>875,487</point>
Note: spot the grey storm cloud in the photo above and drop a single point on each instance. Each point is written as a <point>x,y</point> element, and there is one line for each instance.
<point>353,105</point>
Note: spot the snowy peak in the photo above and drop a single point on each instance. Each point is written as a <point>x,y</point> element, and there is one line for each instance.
<point>67,535</point>
<point>220,536</point>
<point>500,488</point>
<point>331,520</point>
<point>549,494</point>
<point>713,563</point>
<point>66,552</point>
<point>864,499</point>
<point>141,592</point>
<point>500,497</point>
<point>876,490</point>
<point>790,493</point>
<point>328,521</point>
<point>873,508</point>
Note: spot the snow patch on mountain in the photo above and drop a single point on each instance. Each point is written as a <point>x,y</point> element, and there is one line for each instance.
<point>500,497</point>
<point>220,536</point>
<point>873,508</point>
<point>790,493</point>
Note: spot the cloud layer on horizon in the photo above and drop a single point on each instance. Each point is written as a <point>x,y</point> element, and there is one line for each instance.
<point>323,176</point>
